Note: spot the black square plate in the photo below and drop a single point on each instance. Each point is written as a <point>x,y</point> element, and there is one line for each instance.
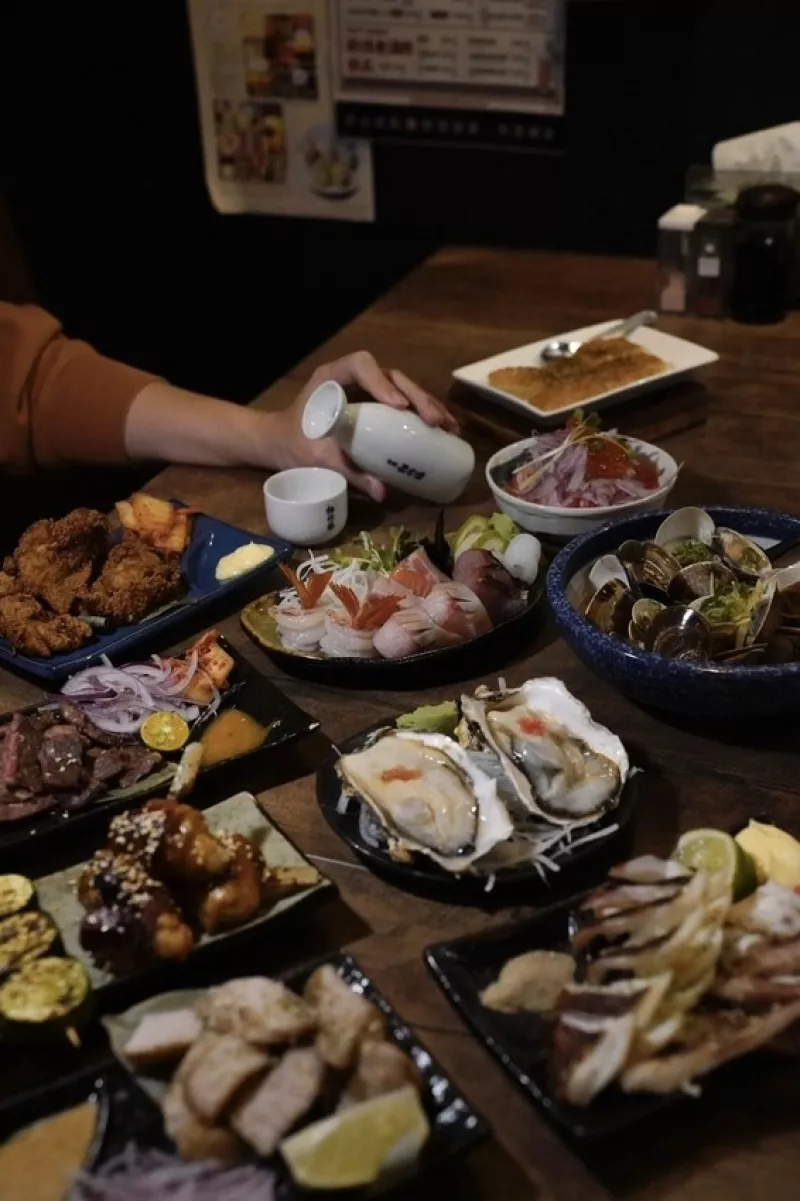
<point>133,1117</point>
<point>249,690</point>
<point>465,966</point>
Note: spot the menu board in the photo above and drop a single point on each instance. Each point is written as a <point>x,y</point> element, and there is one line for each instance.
<point>480,72</point>
<point>264,84</point>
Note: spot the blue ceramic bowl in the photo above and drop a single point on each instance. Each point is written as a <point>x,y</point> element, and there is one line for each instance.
<point>727,692</point>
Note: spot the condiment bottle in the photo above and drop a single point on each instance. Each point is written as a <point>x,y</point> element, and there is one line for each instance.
<point>763,248</point>
<point>395,445</point>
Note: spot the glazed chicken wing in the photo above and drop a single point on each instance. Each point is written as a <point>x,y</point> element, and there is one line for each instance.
<point>54,560</point>
<point>135,581</point>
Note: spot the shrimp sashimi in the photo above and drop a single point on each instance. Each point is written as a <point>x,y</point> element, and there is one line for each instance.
<point>457,609</point>
<point>409,631</point>
<point>351,634</point>
<point>417,573</point>
<point>301,619</point>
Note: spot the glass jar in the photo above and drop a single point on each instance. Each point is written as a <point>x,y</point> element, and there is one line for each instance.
<point>763,246</point>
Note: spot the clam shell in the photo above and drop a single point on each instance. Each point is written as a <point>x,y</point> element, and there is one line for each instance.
<point>685,523</point>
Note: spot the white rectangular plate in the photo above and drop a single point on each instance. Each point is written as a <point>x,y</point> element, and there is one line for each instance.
<point>681,357</point>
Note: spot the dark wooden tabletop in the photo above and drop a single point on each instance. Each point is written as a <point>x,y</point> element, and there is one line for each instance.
<point>737,433</point>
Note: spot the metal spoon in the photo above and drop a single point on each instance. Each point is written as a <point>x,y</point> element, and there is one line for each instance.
<point>560,348</point>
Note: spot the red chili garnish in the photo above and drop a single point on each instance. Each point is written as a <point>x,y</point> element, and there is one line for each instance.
<point>400,773</point>
<point>532,725</point>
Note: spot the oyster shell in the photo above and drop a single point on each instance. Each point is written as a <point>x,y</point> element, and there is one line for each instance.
<point>428,796</point>
<point>561,763</point>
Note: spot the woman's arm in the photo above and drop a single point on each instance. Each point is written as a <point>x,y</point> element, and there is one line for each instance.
<point>181,427</point>
<point>62,403</point>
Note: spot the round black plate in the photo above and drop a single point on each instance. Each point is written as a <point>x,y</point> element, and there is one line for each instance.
<point>462,660</point>
<point>424,875</point>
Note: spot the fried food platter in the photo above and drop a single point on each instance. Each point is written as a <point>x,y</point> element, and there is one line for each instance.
<point>75,589</point>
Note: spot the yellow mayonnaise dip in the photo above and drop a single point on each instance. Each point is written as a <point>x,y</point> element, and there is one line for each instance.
<point>240,561</point>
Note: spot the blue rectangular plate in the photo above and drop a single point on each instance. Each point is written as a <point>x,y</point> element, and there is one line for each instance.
<point>211,539</point>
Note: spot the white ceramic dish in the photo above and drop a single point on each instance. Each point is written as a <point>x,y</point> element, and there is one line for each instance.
<point>681,357</point>
<point>306,505</point>
<point>569,523</point>
<point>395,445</point>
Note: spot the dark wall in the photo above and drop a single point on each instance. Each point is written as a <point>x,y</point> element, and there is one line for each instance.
<point>103,175</point>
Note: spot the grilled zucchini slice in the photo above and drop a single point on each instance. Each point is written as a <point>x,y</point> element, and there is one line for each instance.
<point>25,937</point>
<point>45,997</point>
<point>16,893</point>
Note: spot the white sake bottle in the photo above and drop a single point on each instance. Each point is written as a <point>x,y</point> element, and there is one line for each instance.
<point>395,445</point>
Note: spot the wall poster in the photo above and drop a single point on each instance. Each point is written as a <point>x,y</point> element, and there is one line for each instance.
<point>264,85</point>
<point>452,72</point>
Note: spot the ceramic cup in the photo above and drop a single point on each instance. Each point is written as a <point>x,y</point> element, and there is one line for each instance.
<point>306,505</point>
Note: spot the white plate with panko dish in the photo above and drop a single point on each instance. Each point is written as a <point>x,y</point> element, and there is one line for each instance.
<point>604,373</point>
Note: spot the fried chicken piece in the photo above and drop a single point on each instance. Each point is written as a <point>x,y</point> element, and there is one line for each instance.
<point>8,584</point>
<point>33,631</point>
<point>135,581</point>
<point>55,560</point>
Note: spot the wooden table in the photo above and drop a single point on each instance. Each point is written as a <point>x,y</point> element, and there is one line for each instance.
<point>738,436</point>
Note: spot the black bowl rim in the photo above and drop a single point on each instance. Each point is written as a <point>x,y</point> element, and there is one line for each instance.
<point>577,553</point>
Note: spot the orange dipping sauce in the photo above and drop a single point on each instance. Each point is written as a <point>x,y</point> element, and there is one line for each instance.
<point>232,733</point>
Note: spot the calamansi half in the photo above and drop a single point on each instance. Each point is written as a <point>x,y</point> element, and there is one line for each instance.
<point>164,731</point>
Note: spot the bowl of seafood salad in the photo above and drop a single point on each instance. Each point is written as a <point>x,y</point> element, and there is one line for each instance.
<point>684,609</point>
<point>577,478</point>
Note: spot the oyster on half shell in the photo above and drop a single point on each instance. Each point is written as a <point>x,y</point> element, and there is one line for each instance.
<point>562,764</point>
<point>428,796</point>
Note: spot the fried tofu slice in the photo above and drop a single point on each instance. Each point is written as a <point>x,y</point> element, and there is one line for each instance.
<point>345,1019</point>
<point>157,522</point>
<point>195,1139</point>
<point>215,1076</point>
<point>262,1012</point>
<point>279,1101</point>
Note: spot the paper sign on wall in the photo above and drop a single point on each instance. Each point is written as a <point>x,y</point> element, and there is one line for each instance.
<point>264,84</point>
<point>455,72</point>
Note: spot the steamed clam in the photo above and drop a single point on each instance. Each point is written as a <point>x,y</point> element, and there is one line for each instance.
<point>649,567</point>
<point>428,796</point>
<point>699,592</point>
<point>563,765</point>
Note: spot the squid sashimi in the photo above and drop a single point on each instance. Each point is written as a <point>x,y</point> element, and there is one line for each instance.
<point>491,582</point>
<point>409,631</point>
<point>417,573</point>
<point>457,609</point>
<point>301,619</point>
<point>350,631</point>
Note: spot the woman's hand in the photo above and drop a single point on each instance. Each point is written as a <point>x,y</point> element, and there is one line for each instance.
<point>288,446</point>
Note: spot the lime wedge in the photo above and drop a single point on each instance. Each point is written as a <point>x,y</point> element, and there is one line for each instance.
<point>352,1148</point>
<point>715,851</point>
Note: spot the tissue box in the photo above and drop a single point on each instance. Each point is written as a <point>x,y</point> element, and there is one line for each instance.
<point>767,150</point>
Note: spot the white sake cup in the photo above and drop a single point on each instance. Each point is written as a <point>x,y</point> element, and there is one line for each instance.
<point>306,505</point>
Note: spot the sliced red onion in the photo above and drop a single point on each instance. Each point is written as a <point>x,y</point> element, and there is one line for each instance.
<point>119,699</point>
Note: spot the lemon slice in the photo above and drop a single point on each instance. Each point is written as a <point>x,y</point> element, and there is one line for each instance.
<point>775,853</point>
<point>164,731</point>
<point>715,851</point>
<point>352,1148</point>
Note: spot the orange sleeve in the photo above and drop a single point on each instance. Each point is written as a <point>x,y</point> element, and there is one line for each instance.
<point>61,402</point>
